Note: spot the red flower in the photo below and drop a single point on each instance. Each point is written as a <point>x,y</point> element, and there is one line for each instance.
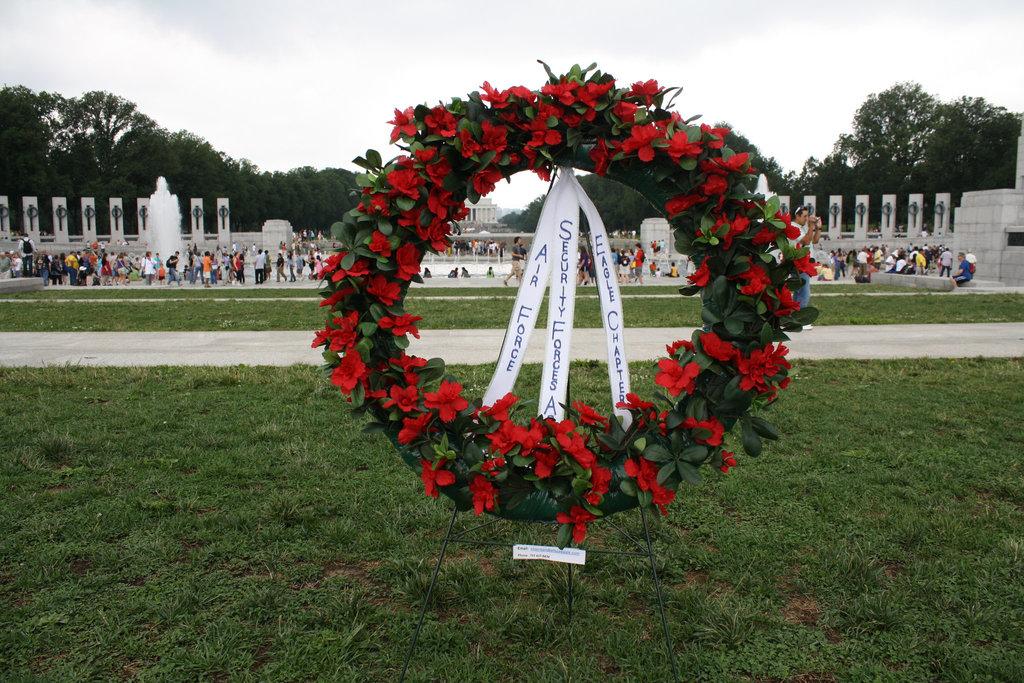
<point>626,111</point>
<point>645,91</point>
<point>405,399</point>
<point>646,474</point>
<point>404,122</point>
<point>576,446</point>
<point>634,402</point>
<point>715,184</point>
<point>498,99</point>
<point>716,348</point>
<point>641,140</point>
<point>405,182</point>
<point>600,480</point>
<point>676,345</point>
<point>720,133</point>
<point>470,146</point>
<point>408,258</point>
<point>401,325</point>
<point>804,265</point>
<point>782,303</point>
<point>681,203</point>
<point>757,280</point>
<point>484,181</point>
<point>499,411</point>
<point>494,137</point>
<point>761,366</point>
<point>386,291</point>
<point>589,416</point>
<point>380,244</point>
<point>680,146</point>
<point>701,276</point>
<point>350,372</point>
<point>675,377</point>
<point>766,236</point>
<point>433,476</point>
<point>447,400</point>
<point>712,425</point>
<point>412,427</point>
<point>484,494</point>
<point>440,122</point>
<point>579,518</point>
<point>564,92</point>
<point>727,461</point>
<point>601,157</point>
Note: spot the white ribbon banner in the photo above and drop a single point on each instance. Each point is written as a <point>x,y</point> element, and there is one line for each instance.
<point>555,248</point>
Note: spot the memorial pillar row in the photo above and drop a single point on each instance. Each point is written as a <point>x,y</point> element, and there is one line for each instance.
<point>888,220</point>
<point>30,218</point>
<point>915,215</point>
<point>88,220</point>
<point>196,221</point>
<point>60,219</point>
<point>835,216</point>
<point>142,216</point>
<point>116,220</point>
<point>943,213</point>
<point>861,207</point>
<point>223,221</point>
<point>5,218</point>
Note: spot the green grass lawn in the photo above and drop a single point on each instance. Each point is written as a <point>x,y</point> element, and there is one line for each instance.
<point>230,524</point>
<point>288,313</point>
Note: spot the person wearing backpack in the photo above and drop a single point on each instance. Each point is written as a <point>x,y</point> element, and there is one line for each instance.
<point>964,274</point>
<point>27,249</point>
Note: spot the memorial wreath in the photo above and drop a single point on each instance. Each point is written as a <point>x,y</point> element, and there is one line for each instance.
<point>499,458</point>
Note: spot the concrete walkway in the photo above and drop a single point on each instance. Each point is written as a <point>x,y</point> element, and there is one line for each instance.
<point>482,346</point>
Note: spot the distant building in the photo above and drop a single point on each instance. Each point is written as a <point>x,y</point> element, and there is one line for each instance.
<point>483,215</point>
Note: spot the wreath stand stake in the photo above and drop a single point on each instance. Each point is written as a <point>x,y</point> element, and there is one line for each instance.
<point>645,550</point>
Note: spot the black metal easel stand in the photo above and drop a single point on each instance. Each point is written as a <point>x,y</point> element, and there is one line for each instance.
<point>644,550</point>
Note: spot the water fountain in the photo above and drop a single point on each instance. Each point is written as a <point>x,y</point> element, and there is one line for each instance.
<point>164,221</point>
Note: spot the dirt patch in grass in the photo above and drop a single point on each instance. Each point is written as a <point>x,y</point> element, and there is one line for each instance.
<point>802,609</point>
<point>81,565</point>
<point>347,569</point>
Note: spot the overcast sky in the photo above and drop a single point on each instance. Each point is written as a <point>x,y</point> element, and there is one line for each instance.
<point>313,82</point>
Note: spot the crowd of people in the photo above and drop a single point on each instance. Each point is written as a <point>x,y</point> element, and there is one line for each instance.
<point>860,263</point>
<point>94,265</point>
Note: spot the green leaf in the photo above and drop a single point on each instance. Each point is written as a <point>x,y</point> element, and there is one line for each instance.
<point>373,428</point>
<point>657,453</point>
<point>628,486</point>
<point>688,473</point>
<point>695,454</point>
<point>764,428</point>
<point>564,535</point>
<point>367,328</point>
<point>751,441</point>
<point>373,157</point>
<point>667,471</point>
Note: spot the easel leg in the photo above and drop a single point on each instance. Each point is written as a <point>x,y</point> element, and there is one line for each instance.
<point>570,592</point>
<point>430,590</point>
<point>657,590</point>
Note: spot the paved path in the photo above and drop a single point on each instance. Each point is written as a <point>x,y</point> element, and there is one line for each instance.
<point>483,346</point>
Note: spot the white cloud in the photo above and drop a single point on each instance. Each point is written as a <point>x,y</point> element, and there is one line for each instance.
<point>314,82</point>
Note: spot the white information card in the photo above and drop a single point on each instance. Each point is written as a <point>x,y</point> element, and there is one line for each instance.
<point>549,553</point>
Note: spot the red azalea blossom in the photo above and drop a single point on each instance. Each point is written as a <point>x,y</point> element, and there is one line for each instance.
<point>406,182</point>
<point>498,99</point>
<point>499,411</point>
<point>589,416</point>
<point>715,184</point>
<point>579,518</point>
<point>641,140</point>
<point>350,372</point>
<point>720,133</point>
<point>676,345</point>
<point>681,203</point>
<point>727,461</point>
<point>484,494</point>
<point>386,291</point>
<point>766,236</point>
<point>447,400</point>
<point>634,402</point>
<point>564,92</point>
<point>757,280</point>
<point>711,424</point>
<point>412,427</point>
<point>433,476</point>
<point>715,347</point>
<point>494,137</point>
<point>405,399</point>
<point>626,111</point>
<point>601,157</point>
<point>441,122</point>
<point>404,122</point>
<point>408,259</point>
<point>646,474</point>
<point>600,480</point>
<point>701,276</point>
<point>470,146</point>
<point>675,377</point>
<point>484,181</point>
<point>645,91</point>
<point>380,244</point>
<point>760,366</point>
<point>680,146</point>
<point>782,303</point>
<point>401,325</point>
<point>576,446</point>
<point>804,265</point>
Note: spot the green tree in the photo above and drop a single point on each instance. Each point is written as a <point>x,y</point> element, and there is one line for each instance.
<point>25,139</point>
<point>972,148</point>
<point>890,133</point>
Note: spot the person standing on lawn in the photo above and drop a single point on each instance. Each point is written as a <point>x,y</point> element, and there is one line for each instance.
<point>518,257</point>
<point>810,233</point>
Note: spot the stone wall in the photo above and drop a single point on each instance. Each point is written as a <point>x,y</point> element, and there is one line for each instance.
<point>991,224</point>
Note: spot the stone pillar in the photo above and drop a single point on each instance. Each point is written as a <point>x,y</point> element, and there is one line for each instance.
<point>88,220</point>
<point>196,221</point>
<point>223,222</point>
<point>915,215</point>
<point>888,220</point>
<point>1020,158</point>
<point>811,202</point>
<point>5,219</point>
<point>784,206</point>
<point>943,213</point>
<point>835,216</point>
<point>861,210</point>
<point>30,217</point>
<point>61,217</point>
<point>116,220</point>
<point>142,218</point>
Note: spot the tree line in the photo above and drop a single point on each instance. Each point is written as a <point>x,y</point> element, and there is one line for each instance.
<point>903,140</point>
<point>100,145</point>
